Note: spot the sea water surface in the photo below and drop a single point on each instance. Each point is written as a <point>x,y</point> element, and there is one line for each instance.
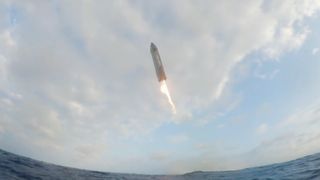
<point>13,166</point>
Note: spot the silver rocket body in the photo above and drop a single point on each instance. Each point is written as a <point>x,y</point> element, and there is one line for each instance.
<point>157,63</point>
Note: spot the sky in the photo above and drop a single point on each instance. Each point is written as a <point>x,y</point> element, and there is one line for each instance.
<point>78,87</point>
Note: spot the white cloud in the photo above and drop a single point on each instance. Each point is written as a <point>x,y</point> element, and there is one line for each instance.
<point>315,51</point>
<point>6,37</point>
<point>221,87</point>
<point>3,68</point>
<point>83,68</point>
<point>178,139</point>
<point>267,76</point>
<point>160,156</point>
<point>258,73</point>
<point>220,126</point>
<point>286,40</point>
<point>295,136</point>
<point>262,128</point>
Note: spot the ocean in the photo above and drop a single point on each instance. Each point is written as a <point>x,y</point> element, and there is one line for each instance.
<point>13,166</point>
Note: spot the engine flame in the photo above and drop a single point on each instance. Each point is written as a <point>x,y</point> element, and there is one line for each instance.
<point>164,89</point>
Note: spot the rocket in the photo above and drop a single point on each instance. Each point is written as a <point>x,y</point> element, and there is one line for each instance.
<point>157,63</point>
<point>161,75</point>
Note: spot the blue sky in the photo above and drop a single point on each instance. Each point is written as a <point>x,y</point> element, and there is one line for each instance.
<point>78,87</point>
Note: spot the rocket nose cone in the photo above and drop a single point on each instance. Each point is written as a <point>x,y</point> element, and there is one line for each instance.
<point>152,46</point>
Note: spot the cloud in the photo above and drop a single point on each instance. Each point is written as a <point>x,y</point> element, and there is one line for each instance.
<point>178,139</point>
<point>294,136</point>
<point>267,76</point>
<point>3,61</point>
<point>286,40</point>
<point>258,73</point>
<point>7,38</point>
<point>220,126</point>
<point>315,51</point>
<point>160,156</point>
<point>82,69</point>
<point>262,128</point>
